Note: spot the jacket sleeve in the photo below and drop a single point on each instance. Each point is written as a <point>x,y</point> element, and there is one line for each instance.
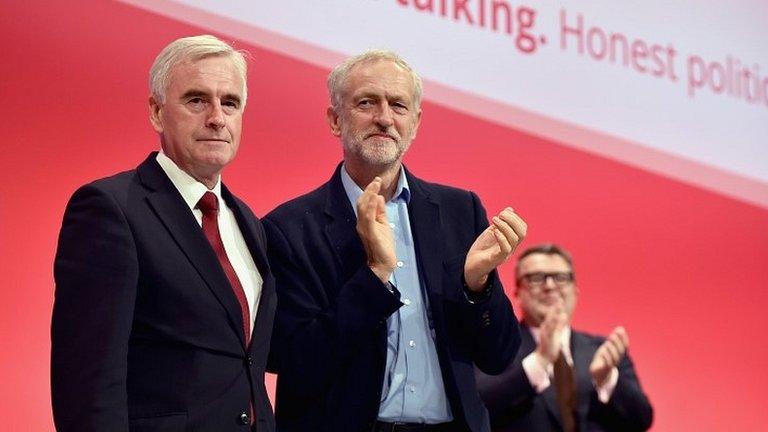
<point>96,273</point>
<point>507,395</point>
<point>315,335</point>
<point>495,330</point>
<point>628,409</point>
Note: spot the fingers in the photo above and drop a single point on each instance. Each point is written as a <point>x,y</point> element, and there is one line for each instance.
<point>601,361</point>
<point>551,330</point>
<point>510,229</point>
<point>621,334</point>
<point>367,204</point>
<point>555,318</point>
<point>374,186</point>
<point>550,321</point>
<point>611,353</point>
<point>375,232</point>
<point>619,343</point>
<point>614,347</point>
<point>517,228</point>
<point>505,247</point>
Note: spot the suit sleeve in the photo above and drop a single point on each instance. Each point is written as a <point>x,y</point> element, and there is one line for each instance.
<point>495,332</point>
<point>314,335</point>
<point>96,273</point>
<point>507,395</point>
<point>628,409</point>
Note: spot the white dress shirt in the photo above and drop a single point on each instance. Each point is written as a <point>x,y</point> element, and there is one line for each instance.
<point>191,191</point>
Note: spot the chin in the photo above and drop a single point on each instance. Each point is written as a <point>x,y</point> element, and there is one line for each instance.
<point>220,154</point>
<point>381,156</point>
<point>380,161</point>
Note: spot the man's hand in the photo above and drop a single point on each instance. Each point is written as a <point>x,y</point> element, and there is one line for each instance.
<point>492,247</point>
<point>609,355</point>
<point>375,232</point>
<point>550,336</point>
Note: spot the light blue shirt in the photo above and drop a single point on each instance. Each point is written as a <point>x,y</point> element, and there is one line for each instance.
<point>413,389</point>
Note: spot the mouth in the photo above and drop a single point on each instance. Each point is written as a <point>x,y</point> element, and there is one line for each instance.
<point>381,135</point>
<point>212,140</point>
<point>550,300</point>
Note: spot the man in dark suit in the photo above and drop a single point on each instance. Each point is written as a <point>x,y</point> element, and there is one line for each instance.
<point>386,283</point>
<point>562,379</point>
<point>164,299</point>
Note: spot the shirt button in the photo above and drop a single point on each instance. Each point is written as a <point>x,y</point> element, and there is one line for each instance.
<point>412,344</point>
<point>400,264</point>
<point>250,361</point>
<point>391,224</point>
<point>407,302</point>
<point>412,389</point>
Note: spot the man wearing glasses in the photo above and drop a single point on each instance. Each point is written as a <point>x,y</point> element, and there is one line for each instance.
<point>562,379</point>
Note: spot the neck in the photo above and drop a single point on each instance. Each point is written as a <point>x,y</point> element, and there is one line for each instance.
<point>364,175</point>
<point>205,175</point>
<point>208,181</point>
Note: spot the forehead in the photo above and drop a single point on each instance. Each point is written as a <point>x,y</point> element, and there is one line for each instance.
<point>379,76</point>
<point>214,73</point>
<point>539,262</point>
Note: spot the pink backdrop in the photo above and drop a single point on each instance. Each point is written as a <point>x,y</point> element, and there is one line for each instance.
<point>683,269</point>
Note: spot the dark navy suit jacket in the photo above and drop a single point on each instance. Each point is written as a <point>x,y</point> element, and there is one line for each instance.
<point>330,340</point>
<point>515,406</point>
<point>147,332</point>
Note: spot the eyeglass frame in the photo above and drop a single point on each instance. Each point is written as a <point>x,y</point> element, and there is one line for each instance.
<point>523,279</point>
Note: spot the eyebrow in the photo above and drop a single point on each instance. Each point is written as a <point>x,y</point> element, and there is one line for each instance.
<point>232,97</point>
<point>391,97</point>
<point>193,93</point>
<point>199,93</point>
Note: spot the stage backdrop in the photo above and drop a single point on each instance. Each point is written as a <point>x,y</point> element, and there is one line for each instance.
<point>633,133</point>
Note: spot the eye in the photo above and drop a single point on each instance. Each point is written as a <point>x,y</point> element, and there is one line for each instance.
<point>365,103</point>
<point>196,103</point>
<point>230,105</point>
<point>400,107</point>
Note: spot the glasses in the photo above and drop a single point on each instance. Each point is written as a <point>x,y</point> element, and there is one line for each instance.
<point>539,279</point>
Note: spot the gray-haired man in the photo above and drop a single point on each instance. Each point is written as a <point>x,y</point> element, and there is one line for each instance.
<point>164,299</point>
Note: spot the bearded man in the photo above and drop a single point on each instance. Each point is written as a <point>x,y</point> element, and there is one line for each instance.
<point>387,289</point>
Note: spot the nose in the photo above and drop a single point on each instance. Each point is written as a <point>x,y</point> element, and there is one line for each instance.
<point>549,282</point>
<point>384,116</point>
<point>215,118</point>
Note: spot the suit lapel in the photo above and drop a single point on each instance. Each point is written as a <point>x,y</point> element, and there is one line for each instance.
<point>171,209</point>
<point>340,231</point>
<point>259,254</point>
<point>424,214</point>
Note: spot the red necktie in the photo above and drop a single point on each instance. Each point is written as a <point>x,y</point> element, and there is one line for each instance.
<point>209,205</point>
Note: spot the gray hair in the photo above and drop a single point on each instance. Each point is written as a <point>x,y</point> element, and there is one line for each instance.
<point>189,49</point>
<point>338,76</point>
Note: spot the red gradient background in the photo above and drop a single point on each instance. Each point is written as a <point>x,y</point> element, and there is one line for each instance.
<point>683,269</point>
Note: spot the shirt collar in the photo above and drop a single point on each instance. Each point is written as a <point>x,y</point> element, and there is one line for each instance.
<point>190,189</point>
<point>354,191</point>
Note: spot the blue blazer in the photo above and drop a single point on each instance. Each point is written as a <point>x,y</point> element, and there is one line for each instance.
<point>146,331</point>
<point>515,406</point>
<point>329,343</point>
